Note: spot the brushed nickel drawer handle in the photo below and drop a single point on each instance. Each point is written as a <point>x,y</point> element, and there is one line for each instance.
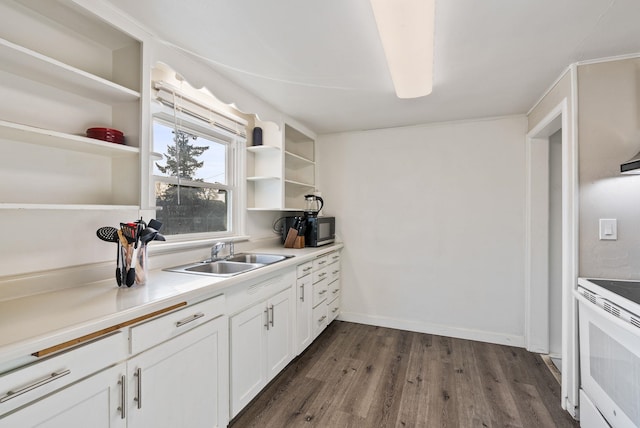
<point>336,271</point>
<point>324,317</point>
<point>138,375</point>
<point>53,376</point>
<point>322,292</point>
<point>307,269</point>
<point>271,309</point>
<point>322,262</point>
<point>322,274</point>
<point>123,396</point>
<point>189,319</point>
<point>335,310</point>
<point>336,290</point>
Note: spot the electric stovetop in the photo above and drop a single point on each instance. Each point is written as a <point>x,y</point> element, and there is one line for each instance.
<point>630,290</point>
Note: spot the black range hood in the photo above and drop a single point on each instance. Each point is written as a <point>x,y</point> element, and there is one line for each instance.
<point>632,166</point>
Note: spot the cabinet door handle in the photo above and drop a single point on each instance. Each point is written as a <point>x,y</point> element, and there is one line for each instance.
<point>302,293</point>
<point>335,291</point>
<point>53,376</point>
<point>271,309</point>
<point>307,269</point>
<point>336,271</point>
<point>322,292</point>
<point>266,312</point>
<point>123,396</point>
<point>189,319</point>
<point>324,317</point>
<point>138,375</point>
<point>320,275</point>
<point>322,262</point>
<point>335,310</point>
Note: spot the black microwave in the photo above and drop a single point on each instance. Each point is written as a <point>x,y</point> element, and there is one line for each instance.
<point>318,230</point>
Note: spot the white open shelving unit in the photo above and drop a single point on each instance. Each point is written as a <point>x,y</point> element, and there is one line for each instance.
<point>63,71</point>
<point>281,171</point>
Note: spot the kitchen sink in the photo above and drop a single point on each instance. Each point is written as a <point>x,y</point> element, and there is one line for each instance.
<point>265,259</point>
<point>235,265</point>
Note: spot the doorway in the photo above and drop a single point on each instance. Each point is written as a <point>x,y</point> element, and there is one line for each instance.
<point>551,246</point>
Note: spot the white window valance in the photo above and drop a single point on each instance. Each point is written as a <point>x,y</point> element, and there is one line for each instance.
<point>226,122</point>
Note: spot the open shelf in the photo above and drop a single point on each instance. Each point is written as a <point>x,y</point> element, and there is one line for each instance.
<point>262,148</point>
<point>68,207</point>
<point>35,66</point>
<point>299,184</point>
<point>61,140</point>
<point>262,178</point>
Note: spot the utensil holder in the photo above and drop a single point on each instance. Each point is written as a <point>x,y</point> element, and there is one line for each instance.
<point>141,265</point>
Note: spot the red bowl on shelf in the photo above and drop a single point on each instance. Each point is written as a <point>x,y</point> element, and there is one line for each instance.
<point>106,134</point>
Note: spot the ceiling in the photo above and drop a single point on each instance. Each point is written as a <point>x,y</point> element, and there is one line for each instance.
<point>322,62</point>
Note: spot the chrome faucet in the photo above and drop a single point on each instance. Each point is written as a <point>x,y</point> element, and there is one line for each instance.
<point>215,250</point>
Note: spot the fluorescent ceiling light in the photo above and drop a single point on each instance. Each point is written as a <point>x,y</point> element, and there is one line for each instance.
<point>406,28</point>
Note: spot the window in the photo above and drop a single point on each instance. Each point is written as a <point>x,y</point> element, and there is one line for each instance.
<point>193,181</point>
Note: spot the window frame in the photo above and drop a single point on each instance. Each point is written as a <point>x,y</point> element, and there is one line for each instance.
<point>233,154</point>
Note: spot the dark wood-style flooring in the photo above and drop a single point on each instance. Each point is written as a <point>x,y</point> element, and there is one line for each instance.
<point>356,375</point>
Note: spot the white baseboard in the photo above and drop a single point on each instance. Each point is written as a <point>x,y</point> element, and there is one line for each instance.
<point>440,330</point>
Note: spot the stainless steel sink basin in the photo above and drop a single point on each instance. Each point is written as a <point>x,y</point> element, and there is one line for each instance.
<point>235,265</point>
<point>219,268</point>
<point>265,259</point>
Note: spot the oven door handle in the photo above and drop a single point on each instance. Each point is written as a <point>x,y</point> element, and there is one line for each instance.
<point>618,321</point>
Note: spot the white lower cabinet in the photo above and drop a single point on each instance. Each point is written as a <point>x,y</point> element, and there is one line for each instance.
<point>181,383</point>
<point>95,402</point>
<point>261,346</point>
<point>176,376</point>
<point>304,299</point>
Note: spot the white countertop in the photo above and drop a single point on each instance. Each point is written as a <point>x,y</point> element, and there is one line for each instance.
<point>32,323</point>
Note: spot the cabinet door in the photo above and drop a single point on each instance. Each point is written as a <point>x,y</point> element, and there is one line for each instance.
<point>94,402</point>
<point>248,355</point>
<point>279,332</point>
<point>180,382</point>
<point>304,297</point>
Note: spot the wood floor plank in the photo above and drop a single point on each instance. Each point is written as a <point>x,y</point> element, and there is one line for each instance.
<point>362,376</point>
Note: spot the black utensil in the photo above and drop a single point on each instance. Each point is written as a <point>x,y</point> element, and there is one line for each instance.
<point>110,234</point>
<point>131,273</point>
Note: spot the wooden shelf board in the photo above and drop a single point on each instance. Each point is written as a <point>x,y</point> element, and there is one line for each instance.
<point>5,206</point>
<point>262,178</point>
<point>263,148</point>
<point>61,140</point>
<point>299,158</point>
<point>35,66</point>
<point>297,183</point>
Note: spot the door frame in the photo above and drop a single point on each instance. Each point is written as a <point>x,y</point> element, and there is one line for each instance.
<point>536,243</point>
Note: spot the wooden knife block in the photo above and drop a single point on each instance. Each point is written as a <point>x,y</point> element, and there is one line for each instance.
<point>299,242</point>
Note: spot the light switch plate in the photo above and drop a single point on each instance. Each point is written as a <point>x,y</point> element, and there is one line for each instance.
<point>608,229</point>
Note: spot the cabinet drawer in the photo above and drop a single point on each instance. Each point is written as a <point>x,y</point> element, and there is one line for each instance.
<point>320,291</point>
<point>304,269</point>
<point>333,308</point>
<point>334,290</point>
<point>334,257</point>
<point>23,385</point>
<point>334,271</point>
<point>156,331</point>
<point>320,275</point>
<point>320,320</point>
<point>320,262</point>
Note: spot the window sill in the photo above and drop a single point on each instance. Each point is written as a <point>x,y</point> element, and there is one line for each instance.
<point>177,246</point>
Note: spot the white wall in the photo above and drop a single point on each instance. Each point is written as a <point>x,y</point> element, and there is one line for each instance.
<point>432,220</point>
<point>609,133</point>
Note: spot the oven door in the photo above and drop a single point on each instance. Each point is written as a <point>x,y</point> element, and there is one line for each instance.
<point>610,364</point>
